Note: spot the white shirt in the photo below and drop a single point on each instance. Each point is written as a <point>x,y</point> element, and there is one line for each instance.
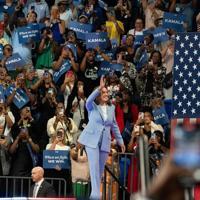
<point>104,112</point>
<point>39,183</point>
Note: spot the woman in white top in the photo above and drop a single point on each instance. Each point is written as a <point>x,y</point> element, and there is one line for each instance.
<point>139,27</point>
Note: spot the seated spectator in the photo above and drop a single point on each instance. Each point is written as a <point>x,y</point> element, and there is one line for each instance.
<point>60,120</point>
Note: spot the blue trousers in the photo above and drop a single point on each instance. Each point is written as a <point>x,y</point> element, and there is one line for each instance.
<point>97,160</point>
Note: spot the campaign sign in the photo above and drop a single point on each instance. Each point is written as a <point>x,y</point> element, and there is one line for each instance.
<point>14,62</point>
<point>94,40</point>
<point>1,52</point>
<point>29,33</point>
<point>63,69</point>
<point>2,96</point>
<point>139,39</point>
<point>80,29</point>
<point>143,60</point>
<point>174,21</point>
<point>73,49</point>
<point>20,98</point>
<point>105,68</point>
<point>160,35</point>
<point>56,158</point>
<point>103,5</point>
<point>160,116</point>
<point>99,58</point>
<point>116,67</point>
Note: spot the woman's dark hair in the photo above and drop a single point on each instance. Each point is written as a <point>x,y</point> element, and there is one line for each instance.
<point>7,45</point>
<point>97,100</point>
<point>160,55</point>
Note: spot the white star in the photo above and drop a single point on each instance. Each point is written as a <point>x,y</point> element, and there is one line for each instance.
<point>180,89</point>
<point>181,74</point>
<point>177,37</point>
<point>185,67</point>
<point>198,103</point>
<point>179,104</point>
<point>175,112</point>
<point>182,45</point>
<point>189,89</point>
<point>175,82</point>
<point>184,111</point>
<point>184,96</point>
<point>176,67</point>
<point>199,59</point>
<point>190,59</point>
<point>177,52</point>
<point>194,96</point>
<point>185,82</point>
<point>194,81</point>
<point>181,60</point>
<point>191,44</point>
<point>198,88</point>
<point>186,52</point>
<point>196,37</point>
<point>193,111</point>
<point>189,103</point>
<point>194,66</point>
<point>186,37</point>
<point>195,52</point>
<point>198,74</point>
<point>175,97</point>
<point>189,74</point>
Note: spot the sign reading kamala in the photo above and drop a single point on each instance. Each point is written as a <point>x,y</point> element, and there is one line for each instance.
<point>28,33</point>
<point>97,39</point>
<point>139,39</point>
<point>105,68</point>
<point>80,29</point>
<point>63,69</point>
<point>15,61</point>
<point>160,116</point>
<point>55,158</point>
<point>20,98</point>
<point>174,21</point>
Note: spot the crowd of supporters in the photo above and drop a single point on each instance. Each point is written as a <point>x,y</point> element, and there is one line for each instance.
<point>54,113</point>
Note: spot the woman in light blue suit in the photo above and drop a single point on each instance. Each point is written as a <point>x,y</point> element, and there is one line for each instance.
<point>96,136</point>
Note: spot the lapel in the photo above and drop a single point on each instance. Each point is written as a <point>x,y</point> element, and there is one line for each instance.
<point>108,111</point>
<point>40,189</point>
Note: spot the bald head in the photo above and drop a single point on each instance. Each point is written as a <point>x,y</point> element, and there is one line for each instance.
<point>37,174</point>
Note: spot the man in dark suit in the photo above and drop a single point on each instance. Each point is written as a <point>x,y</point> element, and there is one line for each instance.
<point>41,188</point>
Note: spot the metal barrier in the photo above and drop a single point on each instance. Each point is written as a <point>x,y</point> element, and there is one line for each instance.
<point>12,186</point>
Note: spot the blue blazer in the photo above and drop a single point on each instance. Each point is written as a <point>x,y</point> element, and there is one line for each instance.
<point>98,130</point>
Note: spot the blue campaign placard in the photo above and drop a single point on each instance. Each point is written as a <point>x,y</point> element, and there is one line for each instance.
<point>14,62</point>
<point>1,52</point>
<point>20,98</point>
<point>160,35</point>
<point>174,21</point>
<point>63,69</point>
<point>94,40</point>
<point>160,116</point>
<point>142,61</point>
<point>73,48</point>
<point>29,33</point>
<point>103,5</point>
<point>105,68</point>
<point>139,39</point>
<point>116,67</point>
<point>56,158</point>
<point>80,29</point>
<point>99,58</point>
<point>2,93</point>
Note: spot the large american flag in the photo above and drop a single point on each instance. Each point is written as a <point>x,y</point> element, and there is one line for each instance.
<point>186,84</point>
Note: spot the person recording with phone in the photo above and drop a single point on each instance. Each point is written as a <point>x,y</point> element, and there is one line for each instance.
<point>60,120</point>
<point>96,136</point>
